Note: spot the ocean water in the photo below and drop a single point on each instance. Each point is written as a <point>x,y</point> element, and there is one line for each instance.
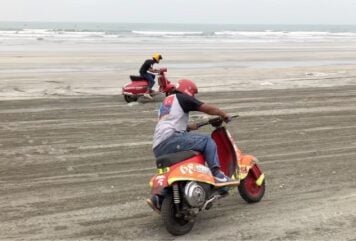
<point>23,32</point>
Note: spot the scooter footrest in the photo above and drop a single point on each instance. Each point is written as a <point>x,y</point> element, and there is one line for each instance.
<point>228,184</point>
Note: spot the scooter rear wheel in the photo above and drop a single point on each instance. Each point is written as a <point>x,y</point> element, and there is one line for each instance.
<point>249,190</point>
<point>130,98</point>
<point>174,225</point>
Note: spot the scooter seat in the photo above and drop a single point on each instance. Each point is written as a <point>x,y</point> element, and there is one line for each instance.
<point>136,77</point>
<point>173,158</point>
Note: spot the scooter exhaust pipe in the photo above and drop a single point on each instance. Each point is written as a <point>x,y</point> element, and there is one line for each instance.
<point>208,204</point>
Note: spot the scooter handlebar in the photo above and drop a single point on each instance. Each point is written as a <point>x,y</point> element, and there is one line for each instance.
<point>216,121</point>
<point>162,70</point>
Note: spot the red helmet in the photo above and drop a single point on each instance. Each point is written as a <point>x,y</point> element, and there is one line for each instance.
<point>187,86</point>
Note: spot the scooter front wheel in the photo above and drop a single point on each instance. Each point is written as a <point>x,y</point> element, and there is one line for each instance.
<point>130,98</point>
<point>249,190</point>
<point>174,224</point>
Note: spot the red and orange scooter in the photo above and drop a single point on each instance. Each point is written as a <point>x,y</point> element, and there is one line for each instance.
<point>185,186</point>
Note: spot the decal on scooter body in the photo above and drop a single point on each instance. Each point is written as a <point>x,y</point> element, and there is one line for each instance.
<point>192,169</point>
<point>158,183</point>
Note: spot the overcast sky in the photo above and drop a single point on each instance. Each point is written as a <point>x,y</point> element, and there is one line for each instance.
<point>182,11</point>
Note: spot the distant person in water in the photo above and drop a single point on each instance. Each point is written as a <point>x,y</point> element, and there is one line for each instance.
<point>146,71</point>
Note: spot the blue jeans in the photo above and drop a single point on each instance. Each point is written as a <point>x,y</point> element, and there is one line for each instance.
<point>184,141</point>
<point>150,78</point>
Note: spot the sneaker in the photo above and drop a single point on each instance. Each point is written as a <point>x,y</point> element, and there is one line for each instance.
<point>153,202</point>
<point>147,95</point>
<point>220,177</point>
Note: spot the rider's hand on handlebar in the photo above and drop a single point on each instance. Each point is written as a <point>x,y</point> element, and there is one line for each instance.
<point>192,126</point>
<point>227,118</point>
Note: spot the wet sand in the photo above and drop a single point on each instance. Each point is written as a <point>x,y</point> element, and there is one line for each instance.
<point>48,69</point>
<point>78,168</point>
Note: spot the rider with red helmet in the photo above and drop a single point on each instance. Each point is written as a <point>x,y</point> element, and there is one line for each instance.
<point>170,134</point>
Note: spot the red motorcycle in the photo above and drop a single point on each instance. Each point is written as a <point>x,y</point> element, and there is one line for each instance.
<point>138,86</point>
<point>185,186</point>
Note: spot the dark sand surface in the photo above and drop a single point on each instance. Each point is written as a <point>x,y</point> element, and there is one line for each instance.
<point>77,168</point>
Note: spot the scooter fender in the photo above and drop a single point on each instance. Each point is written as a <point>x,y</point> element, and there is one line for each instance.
<point>248,163</point>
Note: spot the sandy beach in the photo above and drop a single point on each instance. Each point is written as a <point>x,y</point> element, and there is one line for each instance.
<point>76,158</point>
<point>51,69</point>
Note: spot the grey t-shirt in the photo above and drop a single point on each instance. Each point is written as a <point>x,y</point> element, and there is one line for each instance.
<point>173,115</point>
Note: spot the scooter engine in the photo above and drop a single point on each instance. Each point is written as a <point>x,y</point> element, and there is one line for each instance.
<point>195,194</point>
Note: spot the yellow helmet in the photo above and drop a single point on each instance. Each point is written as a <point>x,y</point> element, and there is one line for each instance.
<point>157,57</point>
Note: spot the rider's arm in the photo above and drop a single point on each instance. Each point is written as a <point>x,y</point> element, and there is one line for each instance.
<point>152,70</point>
<point>189,103</point>
<point>212,110</point>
